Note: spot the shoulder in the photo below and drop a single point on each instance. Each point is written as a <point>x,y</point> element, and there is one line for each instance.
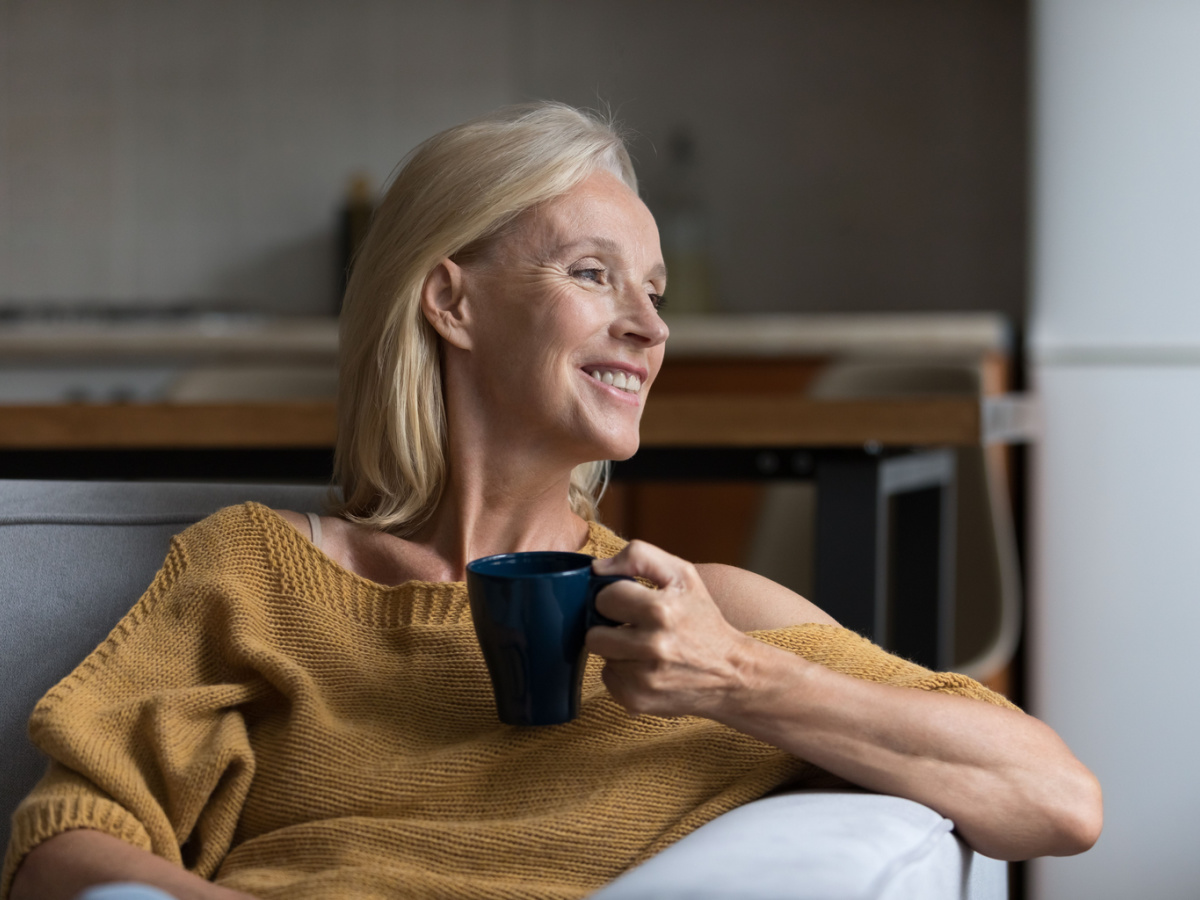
<point>751,602</point>
<point>297,520</point>
<point>245,523</point>
<point>247,537</point>
<point>216,563</point>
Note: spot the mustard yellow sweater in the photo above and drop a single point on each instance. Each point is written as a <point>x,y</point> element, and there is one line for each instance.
<point>280,725</point>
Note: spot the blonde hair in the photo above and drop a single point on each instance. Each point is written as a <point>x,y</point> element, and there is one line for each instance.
<point>455,193</point>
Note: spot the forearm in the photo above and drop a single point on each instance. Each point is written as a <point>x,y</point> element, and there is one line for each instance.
<point>66,864</point>
<point>1006,780</point>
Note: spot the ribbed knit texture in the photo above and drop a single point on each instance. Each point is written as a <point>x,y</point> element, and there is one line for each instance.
<point>274,722</point>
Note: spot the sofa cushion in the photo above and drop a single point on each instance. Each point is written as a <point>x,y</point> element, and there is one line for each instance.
<point>76,556</point>
<point>818,845</point>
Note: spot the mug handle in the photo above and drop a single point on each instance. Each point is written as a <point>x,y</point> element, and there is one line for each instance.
<point>594,586</point>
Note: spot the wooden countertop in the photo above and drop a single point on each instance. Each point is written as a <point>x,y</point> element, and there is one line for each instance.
<point>733,420</point>
<point>728,381</point>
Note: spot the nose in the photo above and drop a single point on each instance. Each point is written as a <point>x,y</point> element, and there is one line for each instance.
<point>637,320</point>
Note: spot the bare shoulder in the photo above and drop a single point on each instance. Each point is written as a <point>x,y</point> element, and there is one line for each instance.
<point>299,521</point>
<point>752,603</point>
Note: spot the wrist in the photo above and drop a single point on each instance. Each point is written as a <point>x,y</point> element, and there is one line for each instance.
<point>764,682</point>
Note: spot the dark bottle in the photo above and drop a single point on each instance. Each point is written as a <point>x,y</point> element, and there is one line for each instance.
<point>352,229</point>
<point>683,229</point>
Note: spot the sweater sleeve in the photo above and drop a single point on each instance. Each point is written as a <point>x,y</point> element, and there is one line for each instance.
<point>145,738</point>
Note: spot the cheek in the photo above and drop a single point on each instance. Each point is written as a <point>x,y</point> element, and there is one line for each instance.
<point>655,363</point>
<point>533,343</point>
<point>564,330</point>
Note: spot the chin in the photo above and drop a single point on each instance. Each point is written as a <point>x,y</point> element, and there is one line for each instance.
<point>624,453</point>
<point>612,447</point>
<point>620,451</point>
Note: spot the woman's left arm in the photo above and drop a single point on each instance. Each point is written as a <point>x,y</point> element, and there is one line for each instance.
<point>1008,782</point>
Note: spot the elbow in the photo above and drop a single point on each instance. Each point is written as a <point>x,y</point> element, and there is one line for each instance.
<point>1063,818</point>
<point>1080,816</point>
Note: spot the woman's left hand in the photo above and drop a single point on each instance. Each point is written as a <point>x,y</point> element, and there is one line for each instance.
<point>677,655</point>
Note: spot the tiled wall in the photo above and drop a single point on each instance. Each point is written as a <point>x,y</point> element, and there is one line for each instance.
<point>198,150</point>
<point>853,154</point>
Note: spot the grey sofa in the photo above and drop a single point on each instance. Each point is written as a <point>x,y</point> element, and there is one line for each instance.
<point>76,555</point>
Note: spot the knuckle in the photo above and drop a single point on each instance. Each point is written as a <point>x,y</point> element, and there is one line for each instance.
<point>657,613</point>
<point>659,646</point>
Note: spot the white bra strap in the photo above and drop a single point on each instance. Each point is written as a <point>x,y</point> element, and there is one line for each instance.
<point>314,522</point>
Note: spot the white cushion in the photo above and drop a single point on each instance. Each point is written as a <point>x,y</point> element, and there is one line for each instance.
<point>818,845</point>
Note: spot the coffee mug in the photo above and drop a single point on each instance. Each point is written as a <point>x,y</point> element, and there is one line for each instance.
<point>531,613</point>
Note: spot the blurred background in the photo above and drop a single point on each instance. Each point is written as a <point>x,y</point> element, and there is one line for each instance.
<point>181,185</point>
<point>836,155</point>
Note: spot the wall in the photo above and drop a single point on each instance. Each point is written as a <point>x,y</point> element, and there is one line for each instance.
<point>198,151</point>
<point>851,154</point>
<point>1114,609</point>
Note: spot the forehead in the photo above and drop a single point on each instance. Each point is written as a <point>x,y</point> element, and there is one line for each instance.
<point>601,207</point>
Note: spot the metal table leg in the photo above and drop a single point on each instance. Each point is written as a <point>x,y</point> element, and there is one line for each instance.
<point>885,549</point>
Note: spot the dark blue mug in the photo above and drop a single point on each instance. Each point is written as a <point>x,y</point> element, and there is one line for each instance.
<point>531,613</point>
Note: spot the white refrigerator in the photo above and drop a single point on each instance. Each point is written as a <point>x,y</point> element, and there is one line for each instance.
<point>1114,608</point>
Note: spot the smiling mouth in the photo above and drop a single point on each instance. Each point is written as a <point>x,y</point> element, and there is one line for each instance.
<point>614,377</point>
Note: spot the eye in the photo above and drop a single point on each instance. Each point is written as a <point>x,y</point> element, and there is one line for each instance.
<point>659,301</point>
<point>595,275</point>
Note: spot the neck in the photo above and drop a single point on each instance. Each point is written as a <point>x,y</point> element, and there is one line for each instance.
<point>499,509</point>
<point>506,488</point>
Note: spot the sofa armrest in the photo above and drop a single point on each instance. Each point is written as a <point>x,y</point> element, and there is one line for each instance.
<point>818,845</point>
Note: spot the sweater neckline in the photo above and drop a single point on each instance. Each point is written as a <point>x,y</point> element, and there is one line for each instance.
<point>306,548</point>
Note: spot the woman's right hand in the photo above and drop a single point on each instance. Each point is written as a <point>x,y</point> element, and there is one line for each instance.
<point>68,863</point>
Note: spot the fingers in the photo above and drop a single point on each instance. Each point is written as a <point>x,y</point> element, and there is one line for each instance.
<point>673,655</point>
<point>642,560</point>
<point>627,601</point>
<point>626,643</point>
<point>624,682</point>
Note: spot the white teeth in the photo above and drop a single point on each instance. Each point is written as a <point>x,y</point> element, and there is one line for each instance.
<point>630,383</point>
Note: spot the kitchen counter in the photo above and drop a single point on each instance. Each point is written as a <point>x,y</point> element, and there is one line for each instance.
<point>248,337</point>
<point>200,337</point>
<point>215,357</point>
<point>734,420</point>
<point>831,335</point>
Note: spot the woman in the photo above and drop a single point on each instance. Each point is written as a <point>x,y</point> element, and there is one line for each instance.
<point>305,722</point>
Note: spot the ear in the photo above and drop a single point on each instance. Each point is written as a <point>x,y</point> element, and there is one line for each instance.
<point>444,303</point>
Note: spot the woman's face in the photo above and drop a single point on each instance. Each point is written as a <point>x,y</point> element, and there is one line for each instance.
<point>566,336</point>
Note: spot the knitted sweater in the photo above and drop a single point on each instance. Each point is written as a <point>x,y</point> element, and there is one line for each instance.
<point>287,728</point>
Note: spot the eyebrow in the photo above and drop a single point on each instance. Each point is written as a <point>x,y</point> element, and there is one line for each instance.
<point>608,245</point>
